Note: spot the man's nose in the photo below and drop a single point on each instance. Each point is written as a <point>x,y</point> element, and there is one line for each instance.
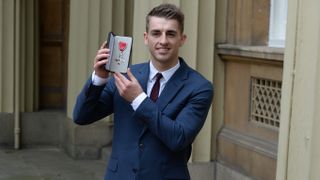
<point>163,39</point>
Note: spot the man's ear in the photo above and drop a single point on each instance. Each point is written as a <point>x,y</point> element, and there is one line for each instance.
<point>183,39</point>
<point>145,37</point>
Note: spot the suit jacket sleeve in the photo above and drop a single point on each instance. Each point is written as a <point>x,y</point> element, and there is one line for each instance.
<point>90,107</point>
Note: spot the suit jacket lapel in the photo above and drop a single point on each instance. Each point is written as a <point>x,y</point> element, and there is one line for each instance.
<point>143,75</point>
<point>175,83</point>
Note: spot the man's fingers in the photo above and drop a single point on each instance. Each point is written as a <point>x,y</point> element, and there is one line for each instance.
<point>126,81</point>
<point>123,81</point>
<point>128,88</point>
<point>130,75</point>
<point>103,45</point>
<point>122,78</point>
<point>100,57</point>
<point>119,83</point>
<point>100,63</point>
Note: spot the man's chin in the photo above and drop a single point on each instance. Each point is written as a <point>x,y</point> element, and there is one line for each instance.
<point>162,58</point>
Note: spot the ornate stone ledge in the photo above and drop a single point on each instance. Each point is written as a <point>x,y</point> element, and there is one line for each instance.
<point>254,53</point>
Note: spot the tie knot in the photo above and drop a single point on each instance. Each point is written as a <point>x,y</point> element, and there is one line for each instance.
<point>158,76</point>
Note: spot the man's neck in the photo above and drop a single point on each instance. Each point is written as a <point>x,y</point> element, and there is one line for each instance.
<point>164,66</point>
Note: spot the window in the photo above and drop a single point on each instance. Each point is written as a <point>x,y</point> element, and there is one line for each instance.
<point>278,21</point>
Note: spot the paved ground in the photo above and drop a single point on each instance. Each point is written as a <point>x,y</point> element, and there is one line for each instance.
<point>47,164</point>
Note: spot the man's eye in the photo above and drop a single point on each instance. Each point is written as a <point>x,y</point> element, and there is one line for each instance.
<point>171,34</point>
<point>155,34</point>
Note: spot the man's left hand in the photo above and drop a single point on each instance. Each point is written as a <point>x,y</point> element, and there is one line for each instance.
<point>129,88</point>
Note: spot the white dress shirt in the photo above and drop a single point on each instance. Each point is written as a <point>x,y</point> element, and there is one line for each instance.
<point>166,75</point>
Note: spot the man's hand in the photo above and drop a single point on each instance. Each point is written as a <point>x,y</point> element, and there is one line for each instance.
<point>100,60</point>
<point>130,88</point>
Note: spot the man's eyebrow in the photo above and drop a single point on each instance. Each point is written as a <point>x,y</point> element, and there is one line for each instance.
<point>172,31</point>
<point>155,30</point>
<point>168,31</point>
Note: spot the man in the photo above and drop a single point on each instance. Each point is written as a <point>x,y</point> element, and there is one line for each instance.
<point>153,129</point>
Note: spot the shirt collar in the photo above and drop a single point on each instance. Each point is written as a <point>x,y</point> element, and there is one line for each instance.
<point>165,74</point>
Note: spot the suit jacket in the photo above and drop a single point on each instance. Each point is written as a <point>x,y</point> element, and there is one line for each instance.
<point>153,142</point>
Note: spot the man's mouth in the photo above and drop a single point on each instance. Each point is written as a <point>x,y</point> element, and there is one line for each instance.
<point>163,49</point>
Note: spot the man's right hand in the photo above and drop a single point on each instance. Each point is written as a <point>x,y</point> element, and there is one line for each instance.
<point>100,60</point>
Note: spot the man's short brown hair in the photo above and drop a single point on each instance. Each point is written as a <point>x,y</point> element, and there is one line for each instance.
<point>168,11</point>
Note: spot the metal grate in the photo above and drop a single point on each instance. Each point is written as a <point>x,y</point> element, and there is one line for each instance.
<point>265,102</point>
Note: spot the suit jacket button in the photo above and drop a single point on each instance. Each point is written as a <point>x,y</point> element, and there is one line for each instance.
<point>140,145</point>
<point>135,170</point>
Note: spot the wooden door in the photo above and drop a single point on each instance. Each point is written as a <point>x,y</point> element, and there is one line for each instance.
<point>53,28</point>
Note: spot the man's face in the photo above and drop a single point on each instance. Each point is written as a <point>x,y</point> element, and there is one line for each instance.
<point>164,39</point>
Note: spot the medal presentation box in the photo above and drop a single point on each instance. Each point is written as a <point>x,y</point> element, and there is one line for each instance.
<point>120,51</point>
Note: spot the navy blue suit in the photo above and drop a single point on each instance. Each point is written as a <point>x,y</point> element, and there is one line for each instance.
<point>153,142</point>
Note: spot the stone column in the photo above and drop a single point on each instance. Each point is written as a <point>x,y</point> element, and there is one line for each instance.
<point>17,62</point>
<point>7,55</point>
<point>90,22</point>
<point>298,155</point>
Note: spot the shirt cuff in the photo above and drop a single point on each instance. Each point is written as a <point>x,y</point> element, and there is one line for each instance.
<point>98,81</point>
<point>138,100</point>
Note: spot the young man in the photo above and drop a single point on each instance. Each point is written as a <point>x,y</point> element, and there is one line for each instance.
<point>153,129</point>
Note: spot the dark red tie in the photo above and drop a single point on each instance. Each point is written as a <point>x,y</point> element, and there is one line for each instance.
<point>156,87</point>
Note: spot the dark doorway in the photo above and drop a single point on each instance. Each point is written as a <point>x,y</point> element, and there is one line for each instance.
<point>53,30</point>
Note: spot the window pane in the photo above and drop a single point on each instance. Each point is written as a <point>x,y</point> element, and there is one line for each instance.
<point>278,21</point>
